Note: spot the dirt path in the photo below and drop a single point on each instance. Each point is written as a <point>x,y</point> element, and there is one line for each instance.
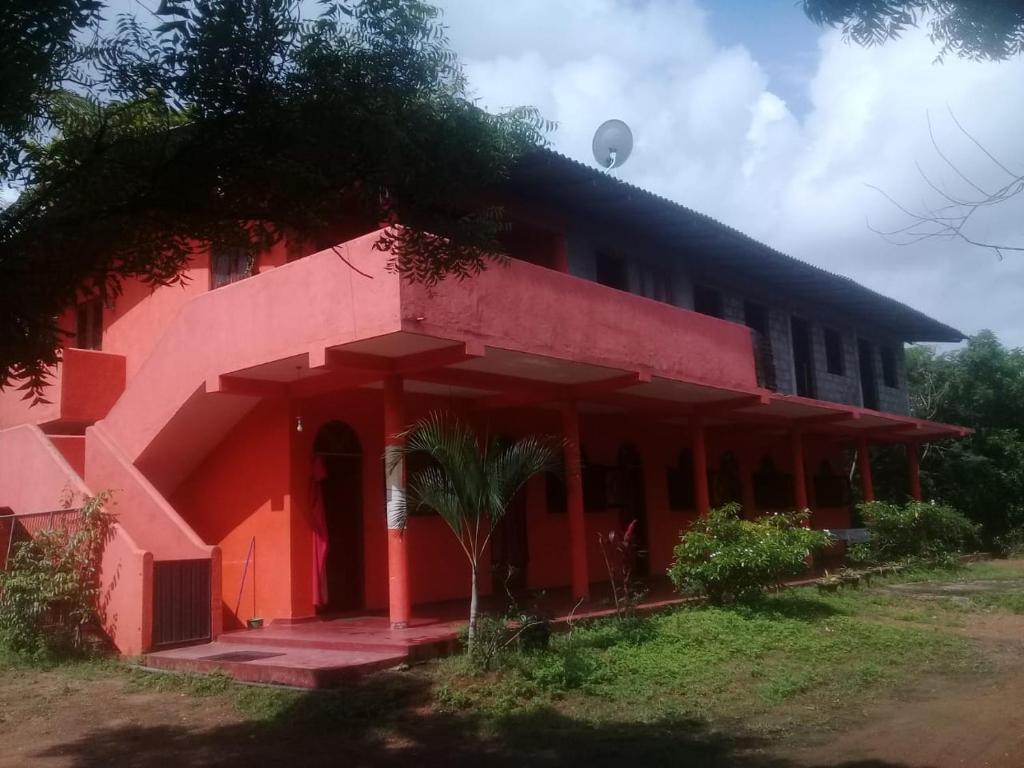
<point>943,723</point>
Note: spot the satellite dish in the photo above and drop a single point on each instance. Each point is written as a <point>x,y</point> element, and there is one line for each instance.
<point>613,141</point>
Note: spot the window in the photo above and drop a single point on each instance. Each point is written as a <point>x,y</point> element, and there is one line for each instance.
<point>773,489</point>
<point>755,317</point>
<point>656,283</point>
<point>803,359</point>
<point>554,492</point>
<point>889,377</point>
<point>612,271</point>
<point>830,489</point>
<point>680,482</point>
<point>89,325</point>
<point>834,352</point>
<point>707,301</point>
<point>229,265</point>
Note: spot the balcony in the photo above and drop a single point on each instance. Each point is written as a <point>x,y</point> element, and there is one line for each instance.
<point>83,388</point>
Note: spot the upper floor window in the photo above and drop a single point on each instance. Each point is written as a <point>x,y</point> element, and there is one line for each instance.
<point>612,271</point>
<point>229,265</point>
<point>889,377</point>
<point>755,317</point>
<point>834,352</point>
<point>803,356</point>
<point>89,325</point>
<point>707,301</point>
<point>656,283</point>
<point>533,244</point>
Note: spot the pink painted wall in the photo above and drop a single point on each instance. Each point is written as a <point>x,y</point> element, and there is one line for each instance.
<point>72,448</point>
<point>517,307</point>
<point>241,492</point>
<point>84,387</point>
<point>142,313</point>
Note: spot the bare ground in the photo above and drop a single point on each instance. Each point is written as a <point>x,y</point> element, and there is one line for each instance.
<point>102,718</point>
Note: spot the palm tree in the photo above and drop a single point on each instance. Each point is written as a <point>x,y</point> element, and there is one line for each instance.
<point>470,483</point>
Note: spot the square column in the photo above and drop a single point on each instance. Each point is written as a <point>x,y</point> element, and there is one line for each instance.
<point>580,575</point>
<point>399,604</point>
<point>914,469</point>
<point>864,464</point>
<point>799,471</point>
<point>701,498</point>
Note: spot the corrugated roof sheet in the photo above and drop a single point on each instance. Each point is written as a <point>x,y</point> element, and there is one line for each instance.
<point>547,176</point>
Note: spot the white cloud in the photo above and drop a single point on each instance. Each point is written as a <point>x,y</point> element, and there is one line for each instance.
<point>710,134</point>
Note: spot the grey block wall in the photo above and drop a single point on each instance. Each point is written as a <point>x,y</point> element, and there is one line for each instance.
<point>583,245</point>
<point>836,388</point>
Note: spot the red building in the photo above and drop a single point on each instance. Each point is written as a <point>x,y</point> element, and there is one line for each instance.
<point>687,364</point>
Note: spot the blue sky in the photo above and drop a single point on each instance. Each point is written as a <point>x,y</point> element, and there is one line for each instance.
<point>778,35</point>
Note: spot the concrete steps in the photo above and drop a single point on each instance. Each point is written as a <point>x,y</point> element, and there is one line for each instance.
<point>315,654</point>
<point>277,665</point>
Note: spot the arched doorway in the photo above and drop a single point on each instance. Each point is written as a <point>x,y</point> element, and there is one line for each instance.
<point>634,503</point>
<point>337,447</point>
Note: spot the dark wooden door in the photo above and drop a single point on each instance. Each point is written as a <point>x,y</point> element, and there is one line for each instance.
<point>343,507</point>
<point>510,550</point>
<point>181,602</point>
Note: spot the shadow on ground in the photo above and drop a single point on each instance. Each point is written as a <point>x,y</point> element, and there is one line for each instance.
<point>388,720</point>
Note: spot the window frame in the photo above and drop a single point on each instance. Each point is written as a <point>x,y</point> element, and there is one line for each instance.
<point>834,352</point>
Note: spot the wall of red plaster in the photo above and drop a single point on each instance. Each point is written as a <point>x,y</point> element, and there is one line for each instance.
<point>141,313</point>
<point>241,492</point>
<point>256,482</point>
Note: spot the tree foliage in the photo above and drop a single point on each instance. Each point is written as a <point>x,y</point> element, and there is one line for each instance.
<point>470,483</point>
<point>233,123</point>
<point>37,38</point>
<point>973,29</point>
<point>979,386</point>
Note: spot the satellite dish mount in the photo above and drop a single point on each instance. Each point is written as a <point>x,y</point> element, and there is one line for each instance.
<point>613,143</point>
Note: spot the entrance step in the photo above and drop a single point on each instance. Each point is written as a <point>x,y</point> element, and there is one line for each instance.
<point>277,665</point>
<point>421,641</point>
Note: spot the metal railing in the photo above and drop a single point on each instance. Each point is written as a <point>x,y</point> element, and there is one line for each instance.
<point>15,528</point>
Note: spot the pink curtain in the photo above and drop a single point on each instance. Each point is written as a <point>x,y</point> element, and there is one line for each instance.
<point>319,523</point>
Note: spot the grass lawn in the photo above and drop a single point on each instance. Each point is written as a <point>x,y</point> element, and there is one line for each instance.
<point>797,657</point>
<point>652,689</point>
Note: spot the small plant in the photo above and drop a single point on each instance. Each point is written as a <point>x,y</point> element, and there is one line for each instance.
<point>916,531</point>
<point>50,594</point>
<point>619,552</point>
<point>470,483</point>
<point>727,558</point>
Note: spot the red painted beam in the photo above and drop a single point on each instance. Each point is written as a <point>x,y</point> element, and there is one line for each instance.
<point>238,385</point>
<point>577,392</point>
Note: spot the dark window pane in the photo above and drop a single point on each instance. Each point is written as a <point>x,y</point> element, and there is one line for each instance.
<point>889,377</point>
<point>707,301</point>
<point>611,271</point>
<point>834,352</point>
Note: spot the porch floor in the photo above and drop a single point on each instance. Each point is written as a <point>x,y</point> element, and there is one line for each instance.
<point>326,652</point>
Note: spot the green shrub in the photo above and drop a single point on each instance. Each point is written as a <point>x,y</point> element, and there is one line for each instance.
<point>50,593</point>
<point>727,558</point>
<point>1010,544</point>
<point>918,530</point>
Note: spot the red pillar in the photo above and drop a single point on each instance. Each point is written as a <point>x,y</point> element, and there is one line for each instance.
<point>799,471</point>
<point>580,576</point>
<point>702,500</point>
<point>864,463</point>
<point>914,465</point>
<point>399,603</point>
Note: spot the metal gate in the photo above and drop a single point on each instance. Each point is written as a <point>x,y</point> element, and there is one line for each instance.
<point>181,602</point>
